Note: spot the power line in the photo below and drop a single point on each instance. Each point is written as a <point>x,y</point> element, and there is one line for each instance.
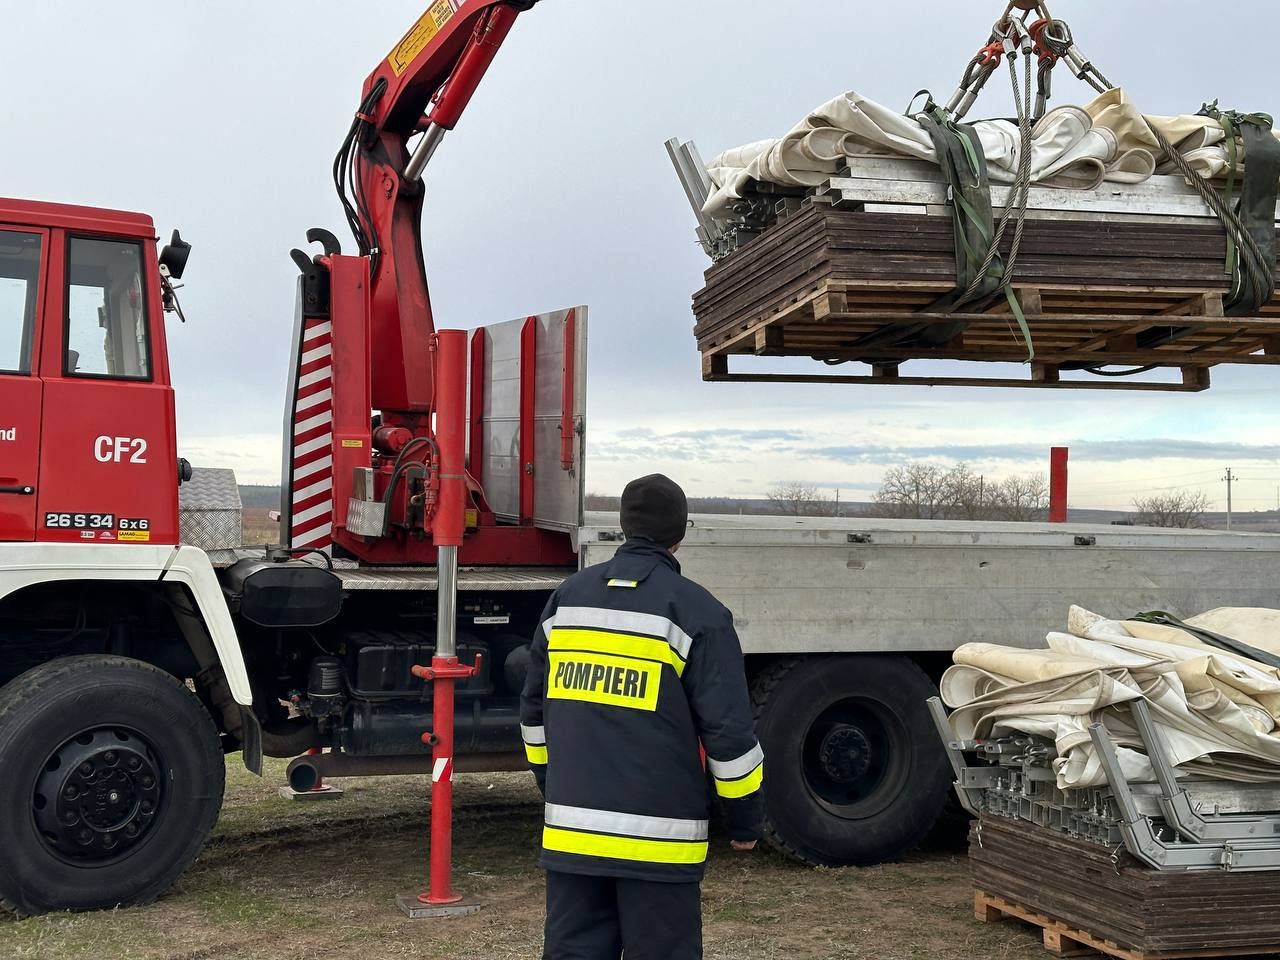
<point>1136,490</point>
<point>1230,479</point>
<point>1132,480</point>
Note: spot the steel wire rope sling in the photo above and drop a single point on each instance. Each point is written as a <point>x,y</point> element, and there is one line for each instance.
<point>1257,205</point>
<point>1251,233</point>
<point>994,275</point>
<point>1251,239</point>
<point>981,271</point>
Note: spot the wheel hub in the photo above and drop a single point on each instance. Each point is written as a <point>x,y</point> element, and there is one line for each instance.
<point>845,753</point>
<point>98,795</point>
<point>854,757</point>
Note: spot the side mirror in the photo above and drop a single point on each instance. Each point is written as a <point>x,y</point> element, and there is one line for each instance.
<point>174,256</point>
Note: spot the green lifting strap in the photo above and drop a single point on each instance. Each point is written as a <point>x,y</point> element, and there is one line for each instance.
<point>1250,288</point>
<point>964,167</point>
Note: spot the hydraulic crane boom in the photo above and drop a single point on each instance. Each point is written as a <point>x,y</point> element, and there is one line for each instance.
<point>367,340</point>
<point>422,87</point>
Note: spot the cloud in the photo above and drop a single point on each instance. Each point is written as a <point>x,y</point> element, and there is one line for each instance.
<point>711,435</point>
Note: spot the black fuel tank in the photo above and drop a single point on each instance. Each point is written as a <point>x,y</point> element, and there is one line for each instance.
<point>292,593</point>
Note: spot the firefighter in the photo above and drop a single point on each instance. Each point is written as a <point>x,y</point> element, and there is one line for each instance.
<point>634,666</point>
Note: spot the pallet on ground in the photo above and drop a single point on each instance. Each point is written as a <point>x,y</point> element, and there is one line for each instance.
<point>1106,899</point>
<point>1064,941</point>
<point>834,285</point>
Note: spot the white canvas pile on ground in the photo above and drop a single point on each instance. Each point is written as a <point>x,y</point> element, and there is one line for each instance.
<point>1109,140</point>
<point>1218,712</point>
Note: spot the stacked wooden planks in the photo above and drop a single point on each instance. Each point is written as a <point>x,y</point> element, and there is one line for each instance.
<point>1096,292</point>
<point>1115,900</point>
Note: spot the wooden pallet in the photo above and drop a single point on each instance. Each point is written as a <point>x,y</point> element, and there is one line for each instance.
<point>827,281</point>
<point>1078,887</point>
<point>1065,941</point>
<point>1090,324</point>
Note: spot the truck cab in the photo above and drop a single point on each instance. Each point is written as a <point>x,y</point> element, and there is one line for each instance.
<point>81,328</point>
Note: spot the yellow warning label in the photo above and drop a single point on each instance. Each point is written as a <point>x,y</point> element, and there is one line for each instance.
<point>423,32</point>
<point>134,536</point>
<point>353,444</point>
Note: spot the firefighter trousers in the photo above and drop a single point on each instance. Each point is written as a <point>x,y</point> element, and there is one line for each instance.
<point>605,918</point>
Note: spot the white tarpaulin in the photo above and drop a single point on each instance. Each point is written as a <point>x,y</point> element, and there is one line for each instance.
<point>1109,140</point>
<point>1218,712</point>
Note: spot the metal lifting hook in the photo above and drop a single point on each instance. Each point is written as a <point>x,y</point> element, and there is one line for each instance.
<point>1048,39</point>
<point>1009,36</point>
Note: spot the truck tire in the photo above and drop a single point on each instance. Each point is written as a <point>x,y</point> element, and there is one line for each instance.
<point>854,772</point>
<point>111,777</point>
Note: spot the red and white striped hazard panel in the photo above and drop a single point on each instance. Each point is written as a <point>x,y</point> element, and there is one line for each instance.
<point>311,494</point>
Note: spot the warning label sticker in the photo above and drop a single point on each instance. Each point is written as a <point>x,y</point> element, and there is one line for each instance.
<point>422,33</point>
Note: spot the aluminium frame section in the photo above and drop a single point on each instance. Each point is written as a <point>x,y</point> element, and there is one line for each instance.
<point>1144,841</point>
<point>692,174</point>
<point>971,783</point>
<point>1176,804</point>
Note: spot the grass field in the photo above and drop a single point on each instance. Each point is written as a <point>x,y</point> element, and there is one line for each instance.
<point>282,880</point>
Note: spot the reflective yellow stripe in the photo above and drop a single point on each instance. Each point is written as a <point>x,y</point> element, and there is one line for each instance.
<point>622,848</point>
<point>733,789</point>
<point>619,644</point>
<point>536,754</point>
<point>624,583</point>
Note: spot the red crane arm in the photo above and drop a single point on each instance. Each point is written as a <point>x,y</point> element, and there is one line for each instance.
<point>422,87</point>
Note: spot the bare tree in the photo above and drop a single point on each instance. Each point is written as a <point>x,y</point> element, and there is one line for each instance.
<point>1021,499</point>
<point>966,494</point>
<point>794,498</point>
<point>1181,508</point>
<point>918,491</point>
<point>924,491</point>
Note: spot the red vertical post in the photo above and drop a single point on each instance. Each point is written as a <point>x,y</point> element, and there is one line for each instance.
<point>447,529</point>
<point>1058,485</point>
<point>449,523</point>
<point>440,889</point>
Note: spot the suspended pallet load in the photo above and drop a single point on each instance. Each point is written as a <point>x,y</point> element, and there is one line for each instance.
<point>1093,292</point>
<point>988,253</point>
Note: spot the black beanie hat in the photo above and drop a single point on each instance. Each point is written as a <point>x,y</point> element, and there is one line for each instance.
<point>655,508</point>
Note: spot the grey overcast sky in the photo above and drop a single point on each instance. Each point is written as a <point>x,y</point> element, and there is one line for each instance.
<point>222,118</point>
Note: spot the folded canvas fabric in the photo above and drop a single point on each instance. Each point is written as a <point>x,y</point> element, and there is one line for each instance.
<point>1109,140</point>
<point>1218,712</point>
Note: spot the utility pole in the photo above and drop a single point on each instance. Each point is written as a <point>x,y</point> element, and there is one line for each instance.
<point>1229,479</point>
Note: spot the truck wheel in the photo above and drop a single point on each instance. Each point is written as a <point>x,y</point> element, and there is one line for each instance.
<point>854,773</point>
<point>111,777</point>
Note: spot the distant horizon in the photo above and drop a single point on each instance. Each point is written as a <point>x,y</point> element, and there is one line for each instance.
<point>267,496</point>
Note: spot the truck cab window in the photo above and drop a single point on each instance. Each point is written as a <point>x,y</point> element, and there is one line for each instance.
<point>19,272</point>
<point>106,311</point>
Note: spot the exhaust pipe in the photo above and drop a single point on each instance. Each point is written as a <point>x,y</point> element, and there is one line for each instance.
<point>306,772</point>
